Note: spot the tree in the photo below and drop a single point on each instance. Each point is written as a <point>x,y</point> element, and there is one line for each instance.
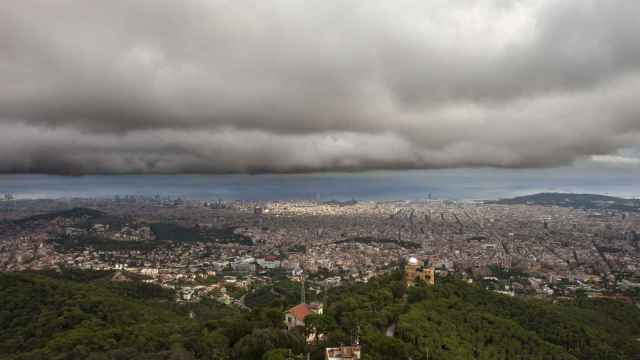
<point>279,354</point>
<point>316,325</point>
<point>260,341</point>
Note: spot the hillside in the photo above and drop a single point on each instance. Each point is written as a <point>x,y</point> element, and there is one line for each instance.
<point>67,214</point>
<point>576,201</point>
<point>83,315</point>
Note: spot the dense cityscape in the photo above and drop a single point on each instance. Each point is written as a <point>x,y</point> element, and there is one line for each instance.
<point>203,248</point>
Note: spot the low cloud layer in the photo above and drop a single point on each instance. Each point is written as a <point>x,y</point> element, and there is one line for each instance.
<point>232,86</point>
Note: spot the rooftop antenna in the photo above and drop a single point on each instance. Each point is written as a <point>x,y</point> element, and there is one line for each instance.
<point>303,299</point>
<point>324,295</point>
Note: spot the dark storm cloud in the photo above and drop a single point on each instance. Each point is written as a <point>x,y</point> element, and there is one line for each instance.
<point>216,86</point>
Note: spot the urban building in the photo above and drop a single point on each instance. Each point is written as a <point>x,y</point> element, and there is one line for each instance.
<point>343,353</point>
<point>296,315</point>
<point>415,270</point>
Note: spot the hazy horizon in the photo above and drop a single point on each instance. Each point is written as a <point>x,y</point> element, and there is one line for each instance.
<point>454,184</point>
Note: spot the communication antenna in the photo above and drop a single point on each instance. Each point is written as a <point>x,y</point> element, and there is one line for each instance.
<point>324,296</point>
<point>303,298</point>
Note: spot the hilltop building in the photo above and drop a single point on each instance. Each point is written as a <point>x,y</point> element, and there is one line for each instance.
<point>343,353</point>
<point>415,270</point>
<point>296,315</point>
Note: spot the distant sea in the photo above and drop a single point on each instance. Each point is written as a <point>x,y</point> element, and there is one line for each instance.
<point>454,184</point>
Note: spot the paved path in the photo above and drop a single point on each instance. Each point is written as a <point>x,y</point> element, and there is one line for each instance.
<point>391,330</point>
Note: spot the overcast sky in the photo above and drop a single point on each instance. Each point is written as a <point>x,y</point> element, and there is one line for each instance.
<point>215,86</point>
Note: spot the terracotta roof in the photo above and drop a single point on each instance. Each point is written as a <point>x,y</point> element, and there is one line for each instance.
<point>300,311</point>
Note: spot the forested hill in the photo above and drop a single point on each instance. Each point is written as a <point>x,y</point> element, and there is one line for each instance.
<point>83,315</point>
<point>577,201</point>
<point>70,213</point>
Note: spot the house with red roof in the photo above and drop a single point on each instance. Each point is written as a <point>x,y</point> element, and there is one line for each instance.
<point>296,315</point>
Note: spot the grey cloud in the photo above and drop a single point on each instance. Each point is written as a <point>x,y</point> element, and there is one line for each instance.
<point>217,86</point>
